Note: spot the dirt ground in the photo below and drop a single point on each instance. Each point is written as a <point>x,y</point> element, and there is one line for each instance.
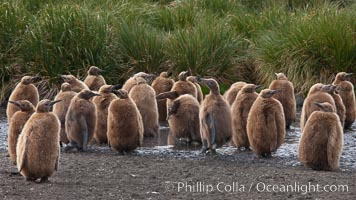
<point>103,174</point>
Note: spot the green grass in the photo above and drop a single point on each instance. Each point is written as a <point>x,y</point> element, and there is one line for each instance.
<point>230,40</point>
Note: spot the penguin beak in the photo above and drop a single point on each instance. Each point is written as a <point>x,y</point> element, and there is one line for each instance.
<point>54,102</point>
<point>349,74</point>
<point>64,77</point>
<point>117,86</point>
<point>15,103</point>
<point>318,104</point>
<point>96,94</point>
<point>272,92</point>
<point>276,74</point>
<point>35,78</point>
<point>186,73</point>
<point>257,86</point>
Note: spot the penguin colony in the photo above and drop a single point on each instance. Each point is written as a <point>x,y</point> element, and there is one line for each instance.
<point>121,118</point>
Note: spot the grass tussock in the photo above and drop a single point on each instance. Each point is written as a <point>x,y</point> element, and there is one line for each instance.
<point>230,40</point>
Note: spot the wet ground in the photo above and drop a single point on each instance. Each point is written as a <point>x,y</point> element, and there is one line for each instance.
<point>158,171</point>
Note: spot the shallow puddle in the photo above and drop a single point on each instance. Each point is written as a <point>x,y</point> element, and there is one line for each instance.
<point>286,155</point>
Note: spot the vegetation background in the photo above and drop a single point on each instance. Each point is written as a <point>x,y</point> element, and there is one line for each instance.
<point>231,40</point>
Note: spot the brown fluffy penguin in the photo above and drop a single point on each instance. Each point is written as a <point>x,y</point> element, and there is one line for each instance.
<point>215,118</point>
<point>162,84</point>
<point>239,111</point>
<point>194,80</point>
<point>339,105</point>
<point>125,126</point>
<point>145,98</point>
<point>231,93</point>
<point>80,120</point>
<point>25,90</point>
<point>266,124</point>
<point>183,119</point>
<point>38,145</point>
<point>317,93</point>
<point>347,94</point>
<point>131,81</point>
<point>286,97</point>
<point>17,124</point>
<point>66,95</point>
<point>102,103</point>
<point>321,143</point>
<point>76,84</point>
<point>182,86</point>
<point>94,80</point>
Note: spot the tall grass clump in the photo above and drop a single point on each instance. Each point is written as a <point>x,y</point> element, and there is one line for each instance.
<point>313,49</point>
<point>64,39</point>
<point>139,47</point>
<point>209,48</point>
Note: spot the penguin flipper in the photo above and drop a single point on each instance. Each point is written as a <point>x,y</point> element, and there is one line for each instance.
<point>56,164</point>
<point>23,161</point>
<point>211,126</point>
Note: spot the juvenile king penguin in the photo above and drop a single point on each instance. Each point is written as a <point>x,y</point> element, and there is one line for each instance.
<point>76,84</point>
<point>25,90</point>
<point>266,124</point>
<point>66,95</point>
<point>38,145</point>
<point>125,126</point>
<point>182,86</point>
<point>286,97</point>
<point>145,98</point>
<point>17,124</point>
<point>317,93</point>
<point>339,105</point>
<point>231,93</point>
<point>215,118</point>
<point>94,80</point>
<point>239,111</point>
<point>194,80</point>
<point>321,143</point>
<point>347,94</point>
<point>162,84</point>
<point>131,81</point>
<point>80,120</point>
<point>102,103</point>
<point>183,119</point>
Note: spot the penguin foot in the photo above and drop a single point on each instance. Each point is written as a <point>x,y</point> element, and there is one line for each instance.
<point>44,180</point>
<point>69,147</point>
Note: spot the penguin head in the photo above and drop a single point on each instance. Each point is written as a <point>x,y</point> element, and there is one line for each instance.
<point>183,75</point>
<point>328,89</point>
<point>29,79</point>
<point>192,79</point>
<point>281,76</point>
<point>106,89</point>
<point>249,88</point>
<point>140,80</point>
<point>164,74</point>
<point>65,87</point>
<point>94,71</point>
<point>268,93</point>
<point>122,93</point>
<point>316,88</point>
<point>87,94</point>
<point>325,106</point>
<point>45,105</point>
<point>24,105</point>
<point>69,78</point>
<point>212,84</point>
<point>342,76</point>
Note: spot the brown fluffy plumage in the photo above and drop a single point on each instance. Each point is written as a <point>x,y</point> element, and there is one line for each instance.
<point>145,98</point>
<point>231,93</point>
<point>131,81</point>
<point>24,90</point>
<point>317,93</point>
<point>347,94</point>
<point>321,143</point>
<point>125,126</point>
<point>183,119</point>
<point>102,103</point>
<point>194,80</point>
<point>286,97</point>
<point>17,123</point>
<point>239,111</point>
<point>215,118</point>
<point>80,120</point>
<point>340,107</point>
<point>66,95</point>
<point>94,80</point>
<point>38,145</point>
<point>162,84</point>
<point>266,124</point>
<point>75,84</point>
